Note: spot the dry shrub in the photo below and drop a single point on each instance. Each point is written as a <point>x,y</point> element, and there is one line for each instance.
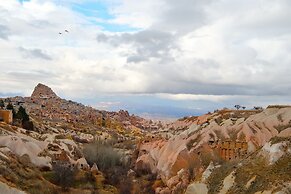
<point>109,162</point>
<point>102,154</point>
<point>64,175</point>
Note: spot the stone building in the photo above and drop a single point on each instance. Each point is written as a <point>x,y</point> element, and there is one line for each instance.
<point>230,150</point>
<point>6,116</point>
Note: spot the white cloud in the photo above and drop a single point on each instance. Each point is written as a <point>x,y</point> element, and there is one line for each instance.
<point>214,98</point>
<point>138,14</point>
<point>106,105</point>
<point>183,50</point>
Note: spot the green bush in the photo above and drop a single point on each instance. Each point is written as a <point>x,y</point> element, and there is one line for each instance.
<point>2,105</point>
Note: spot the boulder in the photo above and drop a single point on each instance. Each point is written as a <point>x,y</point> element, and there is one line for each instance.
<point>82,164</point>
<point>173,181</point>
<point>94,168</point>
<point>83,138</point>
<point>197,188</point>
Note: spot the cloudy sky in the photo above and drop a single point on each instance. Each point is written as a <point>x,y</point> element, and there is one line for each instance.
<point>164,58</point>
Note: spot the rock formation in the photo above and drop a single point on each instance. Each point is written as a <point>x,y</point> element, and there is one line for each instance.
<point>228,135</point>
<point>44,92</point>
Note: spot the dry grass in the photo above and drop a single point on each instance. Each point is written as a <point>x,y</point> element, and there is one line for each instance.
<point>279,106</point>
<point>267,176</point>
<point>216,178</point>
<point>24,175</point>
<point>277,139</point>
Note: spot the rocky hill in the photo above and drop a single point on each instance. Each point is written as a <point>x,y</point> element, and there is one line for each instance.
<point>43,91</point>
<point>45,105</point>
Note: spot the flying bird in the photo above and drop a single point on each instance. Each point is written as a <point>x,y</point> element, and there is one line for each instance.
<point>67,31</point>
<point>60,33</point>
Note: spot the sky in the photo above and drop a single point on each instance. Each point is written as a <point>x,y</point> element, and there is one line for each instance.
<point>155,58</point>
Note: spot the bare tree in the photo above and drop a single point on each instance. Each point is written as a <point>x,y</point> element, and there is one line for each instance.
<point>64,174</point>
<point>237,106</point>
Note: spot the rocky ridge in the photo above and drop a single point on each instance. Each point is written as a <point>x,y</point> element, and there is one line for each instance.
<point>193,148</point>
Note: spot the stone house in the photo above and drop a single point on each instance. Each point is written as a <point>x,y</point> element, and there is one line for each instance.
<point>230,150</point>
<point>6,116</point>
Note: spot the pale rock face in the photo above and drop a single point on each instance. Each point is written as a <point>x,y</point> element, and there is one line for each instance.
<point>82,163</point>
<point>167,158</point>
<point>197,188</point>
<point>83,138</point>
<point>208,171</point>
<point>22,146</point>
<point>276,151</point>
<point>285,133</point>
<point>192,129</point>
<point>228,182</point>
<point>165,191</point>
<point>43,91</point>
<point>9,190</point>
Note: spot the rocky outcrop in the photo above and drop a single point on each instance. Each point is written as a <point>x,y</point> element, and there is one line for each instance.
<point>83,138</point>
<point>197,188</point>
<point>94,169</point>
<point>43,92</point>
<point>41,150</point>
<point>21,145</point>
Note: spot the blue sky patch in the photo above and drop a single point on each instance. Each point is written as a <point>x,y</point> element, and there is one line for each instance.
<point>96,9</point>
<point>22,1</point>
<point>98,14</point>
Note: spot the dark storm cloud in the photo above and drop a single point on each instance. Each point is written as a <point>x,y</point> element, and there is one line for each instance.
<point>147,44</point>
<point>183,16</point>
<point>35,53</point>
